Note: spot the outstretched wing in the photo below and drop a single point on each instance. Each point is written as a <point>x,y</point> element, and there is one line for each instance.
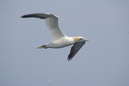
<point>51,21</point>
<point>75,48</point>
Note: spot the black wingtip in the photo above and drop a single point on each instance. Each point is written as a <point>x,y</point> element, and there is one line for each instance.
<point>25,16</point>
<point>69,59</point>
<point>33,15</point>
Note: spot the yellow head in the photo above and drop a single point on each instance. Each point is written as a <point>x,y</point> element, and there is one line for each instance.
<point>79,39</point>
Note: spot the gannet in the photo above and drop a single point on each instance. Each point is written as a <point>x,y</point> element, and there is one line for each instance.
<point>59,39</point>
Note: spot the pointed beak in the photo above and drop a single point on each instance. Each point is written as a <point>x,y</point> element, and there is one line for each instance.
<point>86,40</point>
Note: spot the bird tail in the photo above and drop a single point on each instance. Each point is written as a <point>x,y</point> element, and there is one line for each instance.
<point>42,46</point>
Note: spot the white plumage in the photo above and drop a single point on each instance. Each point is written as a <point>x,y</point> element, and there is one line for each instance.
<point>59,38</point>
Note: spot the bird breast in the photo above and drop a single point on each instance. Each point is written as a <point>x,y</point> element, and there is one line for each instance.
<point>65,41</point>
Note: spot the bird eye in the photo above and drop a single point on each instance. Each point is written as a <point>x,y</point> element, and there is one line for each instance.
<point>80,38</point>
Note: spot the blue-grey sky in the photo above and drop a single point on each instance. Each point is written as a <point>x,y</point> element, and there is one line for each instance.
<point>104,61</point>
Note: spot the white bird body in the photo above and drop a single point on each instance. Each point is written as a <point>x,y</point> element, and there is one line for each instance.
<point>62,42</point>
<point>59,38</point>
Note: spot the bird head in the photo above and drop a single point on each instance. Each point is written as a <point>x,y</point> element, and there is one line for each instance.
<point>80,39</point>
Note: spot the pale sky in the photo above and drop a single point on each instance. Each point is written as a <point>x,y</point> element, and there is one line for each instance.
<point>104,61</point>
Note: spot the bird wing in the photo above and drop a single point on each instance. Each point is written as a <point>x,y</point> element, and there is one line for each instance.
<point>75,48</point>
<point>51,21</point>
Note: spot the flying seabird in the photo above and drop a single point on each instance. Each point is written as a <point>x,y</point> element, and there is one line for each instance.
<point>60,40</point>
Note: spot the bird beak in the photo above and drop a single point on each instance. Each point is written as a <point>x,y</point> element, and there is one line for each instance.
<point>86,40</point>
